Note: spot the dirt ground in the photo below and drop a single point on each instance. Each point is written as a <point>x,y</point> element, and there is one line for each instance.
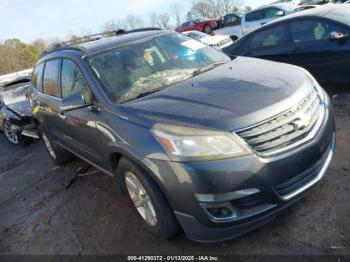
<point>39,215</point>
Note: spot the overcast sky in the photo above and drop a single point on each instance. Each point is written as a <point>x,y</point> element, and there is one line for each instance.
<point>47,19</point>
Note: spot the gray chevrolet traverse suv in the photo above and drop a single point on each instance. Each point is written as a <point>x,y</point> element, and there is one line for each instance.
<point>195,140</point>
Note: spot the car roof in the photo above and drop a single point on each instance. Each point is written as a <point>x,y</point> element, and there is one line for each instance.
<point>286,6</point>
<point>107,43</point>
<point>319,11</point>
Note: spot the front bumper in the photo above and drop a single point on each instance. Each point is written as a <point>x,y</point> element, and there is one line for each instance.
<point>281,180</point>
<point>198,232</point>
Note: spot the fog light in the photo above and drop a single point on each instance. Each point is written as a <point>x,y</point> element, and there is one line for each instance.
<point>220,212</point>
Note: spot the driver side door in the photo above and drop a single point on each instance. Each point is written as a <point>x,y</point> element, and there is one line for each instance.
<point>311,48</point>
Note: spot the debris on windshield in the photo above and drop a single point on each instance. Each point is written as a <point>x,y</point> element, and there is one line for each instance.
<point>155,82</point>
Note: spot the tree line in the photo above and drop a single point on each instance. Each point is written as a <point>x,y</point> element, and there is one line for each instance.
<point>16,55</point>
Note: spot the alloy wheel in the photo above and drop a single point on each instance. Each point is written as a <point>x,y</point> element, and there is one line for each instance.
<point>140,198</point>
<point>11,132</point>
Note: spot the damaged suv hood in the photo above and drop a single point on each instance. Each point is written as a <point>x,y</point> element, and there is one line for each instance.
<point>230,97</point>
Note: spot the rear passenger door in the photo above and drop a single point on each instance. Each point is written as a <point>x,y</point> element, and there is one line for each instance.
<point>47,102</point>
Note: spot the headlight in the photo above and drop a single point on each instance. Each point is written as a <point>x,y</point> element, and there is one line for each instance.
<point>192,144</point>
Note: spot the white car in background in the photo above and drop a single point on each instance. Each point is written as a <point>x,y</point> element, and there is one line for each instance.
<point>256,18</point>
<point>264,15</point>
<point>217,41</point>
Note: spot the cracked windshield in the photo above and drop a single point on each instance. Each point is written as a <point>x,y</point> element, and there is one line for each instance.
<point>130,72</point>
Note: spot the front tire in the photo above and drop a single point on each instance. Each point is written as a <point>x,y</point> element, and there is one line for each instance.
<point>147,200</point>
<point>59,155</point>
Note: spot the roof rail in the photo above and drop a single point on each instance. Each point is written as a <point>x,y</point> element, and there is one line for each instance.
<point>95,37</point>
<point>87,38</point>
<point>143,29</point>
<point>90,38</point>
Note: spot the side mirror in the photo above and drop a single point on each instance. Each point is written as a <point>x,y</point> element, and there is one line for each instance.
<point>76,101</point>
<point>280,13</point>
<point>338,36</point>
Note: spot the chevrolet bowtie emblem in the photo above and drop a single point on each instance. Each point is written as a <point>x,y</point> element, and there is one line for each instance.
<point>303,120</point>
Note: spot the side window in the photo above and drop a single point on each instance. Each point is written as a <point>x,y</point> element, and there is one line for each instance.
<point>72,79</point>
<point>230,19</point>
<point>37,77</point>
<point>50,82</point>
<point>268,38</point>
<point>312,30</point>
<point>253,16</point>
<point>271,12</point>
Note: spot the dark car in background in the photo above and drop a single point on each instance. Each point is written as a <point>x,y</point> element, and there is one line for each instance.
<point>315,39</point>
<point>204,25</point>
<point>194,140</point>
<point>232,19</point>
<point>15,111</point>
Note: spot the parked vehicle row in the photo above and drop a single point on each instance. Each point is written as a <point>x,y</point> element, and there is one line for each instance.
<point>316,39</point>
<point>259,17</point>
<point>194,139</point>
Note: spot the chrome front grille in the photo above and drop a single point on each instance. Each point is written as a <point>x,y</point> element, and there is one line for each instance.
<point>283,131</point>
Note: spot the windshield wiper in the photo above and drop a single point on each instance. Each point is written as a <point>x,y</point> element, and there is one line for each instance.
<point>208,67</point>
<point>140,95</point>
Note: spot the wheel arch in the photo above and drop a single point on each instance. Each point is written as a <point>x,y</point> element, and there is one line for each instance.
<point>115,158</point>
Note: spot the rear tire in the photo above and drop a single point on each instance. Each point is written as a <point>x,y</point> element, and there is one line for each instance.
<point>144,194</point>
<point>59,155</point>
<point>14,136</point>
<point>207,29</point>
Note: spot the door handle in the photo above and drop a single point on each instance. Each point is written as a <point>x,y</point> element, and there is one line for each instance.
<point>264,23</point>
<point>62,116</point>
<point>297,49</point>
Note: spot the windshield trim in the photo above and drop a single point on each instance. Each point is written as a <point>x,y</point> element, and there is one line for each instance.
<point>138,41</point>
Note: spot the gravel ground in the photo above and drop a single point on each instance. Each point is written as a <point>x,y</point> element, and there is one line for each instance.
<point>39,215</point>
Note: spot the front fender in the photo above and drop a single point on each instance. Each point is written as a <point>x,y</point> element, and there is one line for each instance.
<point>8,115</point>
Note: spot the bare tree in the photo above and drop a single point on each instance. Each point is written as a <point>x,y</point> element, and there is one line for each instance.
<point>164,19</point>
<point>153,19</point>
<point>112,26</point>
<point>177,11</point>
<point>133,22</point>
<point>160,20</point>
<point>214,8</point>
<point>247,9</point>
